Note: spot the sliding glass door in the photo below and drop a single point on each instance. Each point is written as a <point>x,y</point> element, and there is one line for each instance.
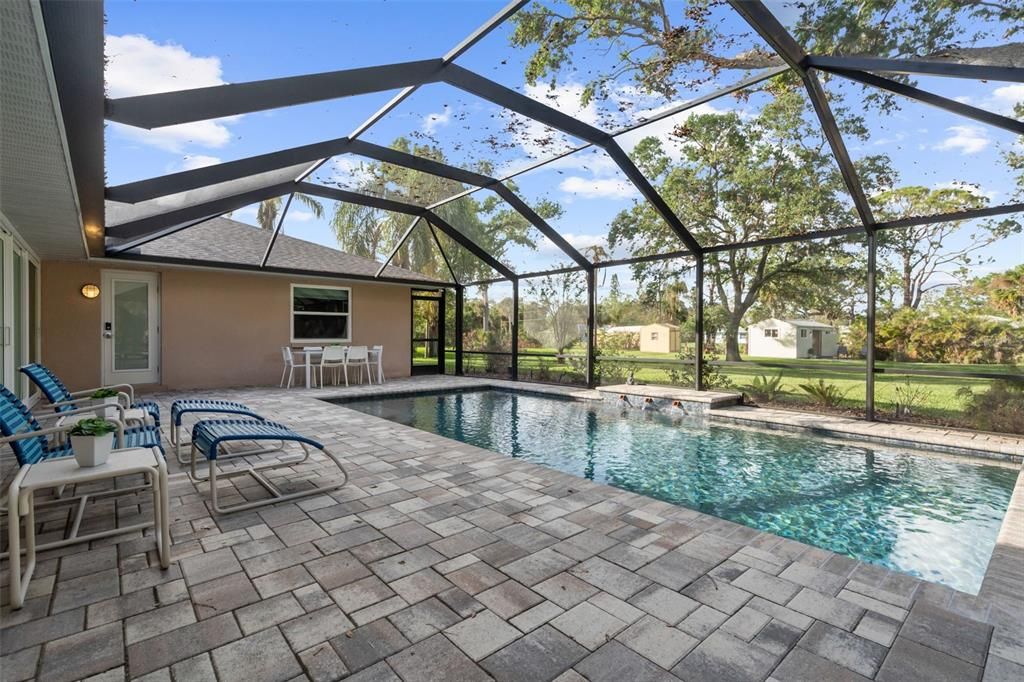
<point>19,313</point>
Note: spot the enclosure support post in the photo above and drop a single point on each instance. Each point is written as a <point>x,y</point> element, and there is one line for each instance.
<point>698,326</point>
<point>869,352</point>
<point>460,299</point>
<point>515,329</point>
<point>591,328</point>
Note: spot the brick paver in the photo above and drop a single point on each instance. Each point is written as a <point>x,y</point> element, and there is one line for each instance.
<point>443,561</point>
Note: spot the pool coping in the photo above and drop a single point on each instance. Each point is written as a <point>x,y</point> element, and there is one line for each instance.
<point>991,446</point>
<point>1003,582</point>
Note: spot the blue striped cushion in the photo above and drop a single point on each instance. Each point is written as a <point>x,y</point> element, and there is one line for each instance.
<point>14,419</point>
<point>52,387</point>
<point>186,405</point>
<point>208,434</point>
<point>151,408</point>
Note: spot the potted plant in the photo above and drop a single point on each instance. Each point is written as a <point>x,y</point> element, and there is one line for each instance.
<point>92,440</point>
<point>107,398</point>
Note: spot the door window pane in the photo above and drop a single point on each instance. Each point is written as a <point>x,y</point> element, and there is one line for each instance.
<point>131,325</point>
<point>33,318</point>
<point>18,323</point>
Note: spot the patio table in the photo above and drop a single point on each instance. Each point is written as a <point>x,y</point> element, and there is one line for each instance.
<point>64,471</point>
<point>317,351</point>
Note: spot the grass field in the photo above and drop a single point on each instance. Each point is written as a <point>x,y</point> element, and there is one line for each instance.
<point>939,399</point>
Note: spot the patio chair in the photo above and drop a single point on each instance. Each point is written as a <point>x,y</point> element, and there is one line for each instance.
<point>210,436</point>
<point>379,352</point>
<point>358,356</point>
<point>289,366</point>
<point>63,400</point>
<point>333,358</point>
<point>196,406</point>
<point>32,446</point>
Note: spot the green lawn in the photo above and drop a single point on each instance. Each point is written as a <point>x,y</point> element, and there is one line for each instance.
<point>939,399</point>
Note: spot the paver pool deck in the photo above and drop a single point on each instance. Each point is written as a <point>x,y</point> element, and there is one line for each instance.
<point>443,561</point>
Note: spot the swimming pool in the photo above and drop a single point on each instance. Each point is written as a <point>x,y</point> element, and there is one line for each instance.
<point>929,516</point>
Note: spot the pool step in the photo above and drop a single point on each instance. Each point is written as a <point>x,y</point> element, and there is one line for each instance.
<point>665,397</point>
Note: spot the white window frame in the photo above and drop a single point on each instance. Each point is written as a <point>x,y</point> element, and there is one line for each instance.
<point>771,332</point>
<point>293,313</point>
<point>803,333</point>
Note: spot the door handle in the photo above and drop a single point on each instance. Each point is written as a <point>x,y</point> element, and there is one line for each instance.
<point>108,335</point>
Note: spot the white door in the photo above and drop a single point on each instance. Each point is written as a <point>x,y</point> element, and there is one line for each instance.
<point>131,327</point>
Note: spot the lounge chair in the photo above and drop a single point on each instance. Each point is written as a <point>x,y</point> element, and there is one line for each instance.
<point>194,406</point>
<point>32,445</point>
<point>64,400</point>
<point>210,436</point>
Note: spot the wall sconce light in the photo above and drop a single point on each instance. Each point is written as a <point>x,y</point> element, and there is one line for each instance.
<point>90,290</point>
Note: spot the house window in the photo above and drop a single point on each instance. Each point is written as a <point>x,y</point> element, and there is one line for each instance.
<point>654,336</point>
<point>803,333</point>
<point>321,314</point>
<point>771,333</point>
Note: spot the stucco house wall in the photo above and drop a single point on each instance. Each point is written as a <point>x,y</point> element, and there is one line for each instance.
<point>218,328</point>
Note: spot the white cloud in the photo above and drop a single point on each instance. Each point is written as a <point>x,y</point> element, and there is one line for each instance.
<point>193,161</point>
<point>965,139</point>
<point>577,241</point>
<point>137,65</point>
<point>300,216</point>
<point>349,172</point>
<point>1004,98</point>
<point>597,188</point>
<point>432,122</point>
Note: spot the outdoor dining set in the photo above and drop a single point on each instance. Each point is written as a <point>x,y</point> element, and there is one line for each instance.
<point>320,362</point>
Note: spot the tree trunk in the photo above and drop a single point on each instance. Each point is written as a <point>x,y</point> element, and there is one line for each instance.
<point>908,287</point>
<point>486,309</point>
<point>732,337</point>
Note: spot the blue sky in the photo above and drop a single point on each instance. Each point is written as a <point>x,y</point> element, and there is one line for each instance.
<point>161,45</point>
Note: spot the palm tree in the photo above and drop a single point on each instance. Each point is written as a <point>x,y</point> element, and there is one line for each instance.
<point>266,214</point>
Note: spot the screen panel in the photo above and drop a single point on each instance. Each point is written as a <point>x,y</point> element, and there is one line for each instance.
<point>616,65</point>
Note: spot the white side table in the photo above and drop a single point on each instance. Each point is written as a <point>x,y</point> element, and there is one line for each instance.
<point>65,471</point>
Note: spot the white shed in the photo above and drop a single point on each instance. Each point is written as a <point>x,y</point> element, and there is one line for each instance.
<point>775,338</point>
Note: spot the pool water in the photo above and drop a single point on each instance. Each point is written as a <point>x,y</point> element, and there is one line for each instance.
<point>928,516</point>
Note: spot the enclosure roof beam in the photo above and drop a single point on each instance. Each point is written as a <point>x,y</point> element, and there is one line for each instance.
<point>407,209</point>
<point>950,105</point>
<point>173,183</point>
<point>349,197</point>
<point>440,249</point>
<point>955,216</point>
<point>398,246</point>
<point>253,267</point>
<point>930,67</point>
<point>202,104</point>
<point>472,39</point>
<point>153,236</point>
<point>277,231</point>
<point>469,245</point>
<point>144,226</point>
<point>775,34</point>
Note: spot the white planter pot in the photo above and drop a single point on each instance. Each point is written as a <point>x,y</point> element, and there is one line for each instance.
<point>107,407</point>
<point>91,451</point>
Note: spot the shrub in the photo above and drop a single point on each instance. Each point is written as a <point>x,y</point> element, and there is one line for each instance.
<point>909,397</point>
<point>764,388</point>
<point>825,395</point>
<point>1000,408</point>
<point>93,427</point>
<point>101,393</point>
